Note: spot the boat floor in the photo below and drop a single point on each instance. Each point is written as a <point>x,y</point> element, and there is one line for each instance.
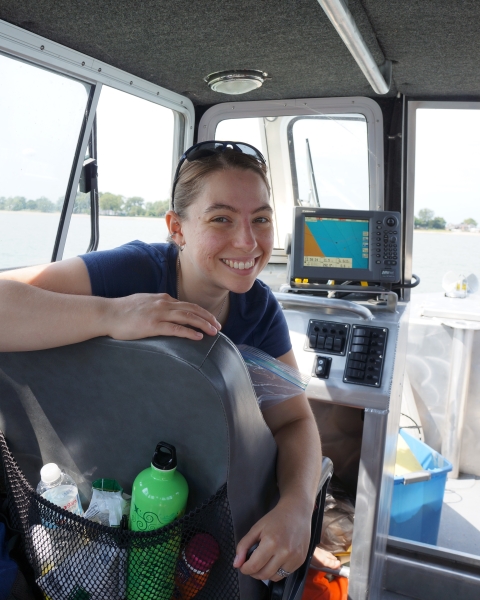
<point>460,521</point>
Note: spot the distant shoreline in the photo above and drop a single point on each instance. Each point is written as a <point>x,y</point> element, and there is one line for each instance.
<point>140,218</point>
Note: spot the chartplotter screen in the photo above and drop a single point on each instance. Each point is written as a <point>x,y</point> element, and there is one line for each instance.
<point>336,243</point>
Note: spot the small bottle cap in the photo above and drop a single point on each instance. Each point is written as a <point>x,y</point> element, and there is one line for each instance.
<point>202,552</point>
<point>50,473</point>
<point>165,457</point>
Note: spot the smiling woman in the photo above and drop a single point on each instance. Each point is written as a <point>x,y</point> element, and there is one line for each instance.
<point>205,279</point>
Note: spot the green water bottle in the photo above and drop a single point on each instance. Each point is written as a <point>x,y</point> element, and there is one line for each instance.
<point>159,496</point>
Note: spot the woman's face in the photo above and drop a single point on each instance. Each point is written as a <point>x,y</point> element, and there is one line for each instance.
<point>228,231</point>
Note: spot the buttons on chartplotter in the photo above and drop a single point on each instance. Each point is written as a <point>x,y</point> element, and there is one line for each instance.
<point>391,221</point>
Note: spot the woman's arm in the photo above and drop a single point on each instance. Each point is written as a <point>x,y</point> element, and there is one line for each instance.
<point>66,276</point>
<point>284,533</point>
<point>35,319</point>
<point>51,305</point>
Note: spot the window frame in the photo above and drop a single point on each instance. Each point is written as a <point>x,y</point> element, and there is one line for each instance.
<point>39,51</point>
<point>304,107</point>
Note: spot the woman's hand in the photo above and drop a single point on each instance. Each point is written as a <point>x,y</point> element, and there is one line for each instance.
<point>146,315</point>
<point>283,535</point>
<point>323,558</point>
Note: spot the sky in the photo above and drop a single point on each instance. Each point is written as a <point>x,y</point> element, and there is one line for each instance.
<point>135,138</point>
<point>41,115</point>
<point>135,145</point>
<point>38,138</point>
<point>447,165</point>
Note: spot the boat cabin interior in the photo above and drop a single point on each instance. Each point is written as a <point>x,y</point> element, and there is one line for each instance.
<point>346,99</point>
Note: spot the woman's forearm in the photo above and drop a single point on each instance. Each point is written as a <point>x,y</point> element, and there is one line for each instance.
<point>299,461</point>
<point>284,533</point>
<point>33,318</point>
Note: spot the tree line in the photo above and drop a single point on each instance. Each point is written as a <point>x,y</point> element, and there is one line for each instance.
<point>131,207</point>
<point>109,204</point>
<point>21,203</point>
<point>426,219</point>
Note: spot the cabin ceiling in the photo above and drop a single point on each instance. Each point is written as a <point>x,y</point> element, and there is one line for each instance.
<point>434,44</point>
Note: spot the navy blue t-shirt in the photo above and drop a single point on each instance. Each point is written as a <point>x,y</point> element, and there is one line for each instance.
<point>255,318</point>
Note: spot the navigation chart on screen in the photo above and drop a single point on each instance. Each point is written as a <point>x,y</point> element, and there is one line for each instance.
<point>339,243</point>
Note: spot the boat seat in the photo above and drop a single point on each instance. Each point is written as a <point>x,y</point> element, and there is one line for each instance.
<point>99,408</point>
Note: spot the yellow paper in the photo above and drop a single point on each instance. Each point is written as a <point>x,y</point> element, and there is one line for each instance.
<point>406,461</point>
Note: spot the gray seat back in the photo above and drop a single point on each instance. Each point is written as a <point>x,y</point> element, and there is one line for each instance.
<point>99,408</point>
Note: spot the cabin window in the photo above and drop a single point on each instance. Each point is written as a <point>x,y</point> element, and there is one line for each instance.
<point>443,227</point>
<point>135,145</point>
<point>446,219</point>
<point>330,161</point>
<point>41,117</point>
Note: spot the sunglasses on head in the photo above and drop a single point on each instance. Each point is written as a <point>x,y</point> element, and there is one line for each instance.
<point>210,148</point>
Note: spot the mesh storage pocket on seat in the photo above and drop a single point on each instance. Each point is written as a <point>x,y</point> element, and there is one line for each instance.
<point>76,559</point>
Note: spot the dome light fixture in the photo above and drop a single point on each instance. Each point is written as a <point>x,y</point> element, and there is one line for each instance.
<point>236,81</point>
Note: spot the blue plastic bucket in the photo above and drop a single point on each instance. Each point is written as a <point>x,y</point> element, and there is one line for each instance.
<point>417,507</point>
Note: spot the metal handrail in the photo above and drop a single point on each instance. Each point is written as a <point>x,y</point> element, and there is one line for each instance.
<point>316,301</point>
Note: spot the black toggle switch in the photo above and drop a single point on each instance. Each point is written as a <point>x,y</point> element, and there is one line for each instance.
<point>321,367</point>
<point>338,344</point>
<point>355,373</point>
<point>356,364</point>
<point>358,348</point>
<point>313,340</point>
<point>362,332</point>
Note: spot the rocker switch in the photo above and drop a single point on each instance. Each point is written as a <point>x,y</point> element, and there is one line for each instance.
<point>321,366</point>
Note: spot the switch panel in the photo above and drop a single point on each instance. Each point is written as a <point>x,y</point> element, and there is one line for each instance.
<point>327,336</point>
<point>366,355</point>
<point>321,367</point>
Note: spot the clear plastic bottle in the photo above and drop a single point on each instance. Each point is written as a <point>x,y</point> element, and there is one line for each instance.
<point>59,488</point>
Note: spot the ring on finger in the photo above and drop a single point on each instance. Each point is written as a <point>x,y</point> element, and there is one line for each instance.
<point>282,572</point>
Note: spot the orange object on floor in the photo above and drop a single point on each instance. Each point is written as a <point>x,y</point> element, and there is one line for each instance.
<point>318,587</point>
